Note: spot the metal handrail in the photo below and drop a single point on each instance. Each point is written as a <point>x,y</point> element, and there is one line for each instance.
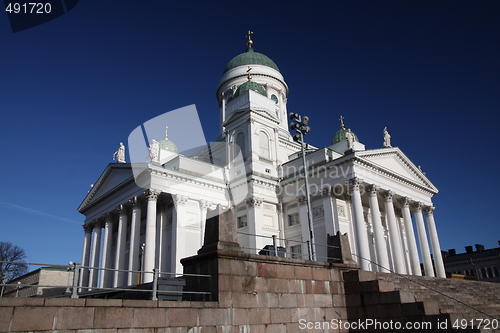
<point>77,269</point>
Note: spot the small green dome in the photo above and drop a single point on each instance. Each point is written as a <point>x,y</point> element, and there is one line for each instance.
<point>250,85</point>
<point>168,145</point>
<point>250,57</point>
<point>340,136</point>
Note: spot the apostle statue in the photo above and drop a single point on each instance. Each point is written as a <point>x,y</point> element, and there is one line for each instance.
<point>154,150</point>
<point>387,138</point>
<point>349,136</point>
<point>119,155</point>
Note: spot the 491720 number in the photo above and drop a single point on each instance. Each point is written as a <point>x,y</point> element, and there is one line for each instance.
<point>29,8</point>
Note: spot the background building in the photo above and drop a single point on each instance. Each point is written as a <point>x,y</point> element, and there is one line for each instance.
<point>484,264</point>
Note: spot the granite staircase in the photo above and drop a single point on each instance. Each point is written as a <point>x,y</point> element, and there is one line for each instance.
<point>448,305</point>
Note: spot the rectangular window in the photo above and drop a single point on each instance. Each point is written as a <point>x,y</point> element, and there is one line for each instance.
<point>242,221</point>
<point>293,219</point>
<point>296,251</point>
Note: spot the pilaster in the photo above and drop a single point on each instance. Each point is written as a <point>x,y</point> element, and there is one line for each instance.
<point>254,219</point>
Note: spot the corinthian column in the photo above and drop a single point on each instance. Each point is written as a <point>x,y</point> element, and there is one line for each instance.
<point>87,239</point>
<point>412,243</point>
<point>150,250</point>
<point>378,231</point>
<point>96,252</point>
<point>204,205</point>
<point>363,251</point>
<point>422,238</point>
<point>178,233</point>
<point>119,279</point>
<point>396,248</point>
<point>135,234</point>
<point>106,251</point>
<point>436,248</point>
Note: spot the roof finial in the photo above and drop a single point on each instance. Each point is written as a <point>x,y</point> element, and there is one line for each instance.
<point>248,73</point>
<point>342,123</point>
<point>166,132</point>
<point>250,41</point>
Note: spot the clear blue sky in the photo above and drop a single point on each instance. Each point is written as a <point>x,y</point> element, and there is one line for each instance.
<point>75,87</point>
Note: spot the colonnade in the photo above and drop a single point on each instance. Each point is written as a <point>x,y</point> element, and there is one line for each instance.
<point>159,247</point>
<point>398,230</point>
<point>395,231</point>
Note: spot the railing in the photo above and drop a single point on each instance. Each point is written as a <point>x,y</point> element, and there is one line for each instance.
<point>286,242</point>
<point>78,288</point>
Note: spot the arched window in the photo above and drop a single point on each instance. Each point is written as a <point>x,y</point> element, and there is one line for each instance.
<point>483,273</point>
<point>496,270</point>
<point>490,272</point>
<point>264,145</point>
<point>240,141</point>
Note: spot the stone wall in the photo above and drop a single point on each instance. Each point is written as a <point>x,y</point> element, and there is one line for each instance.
<point>254,294</point>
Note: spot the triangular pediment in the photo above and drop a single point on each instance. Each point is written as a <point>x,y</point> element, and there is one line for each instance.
<point>114,176</point>
<point>394,161</point>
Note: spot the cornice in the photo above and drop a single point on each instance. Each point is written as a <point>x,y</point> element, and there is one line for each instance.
<point>394,176</point>
<point>183,177</point>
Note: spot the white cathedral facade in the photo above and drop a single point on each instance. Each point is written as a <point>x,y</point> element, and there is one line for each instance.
<point>377,196</point>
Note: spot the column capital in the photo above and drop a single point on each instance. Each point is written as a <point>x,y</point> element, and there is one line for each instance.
<point>87,227</point>
<point>327,191</point>
<point>204,204</point>
<point>429,210</point>
<point>253,202</point>
<point>354,183</point>
<point>152,194</point>
<point>405,202</point>
<point>122,209</point>
<point>135,202</point>
<point>108,216</point>
<point>97,223</point>
<point>388,196</point>
<point>180,199</point>
<point>418,206</point>
<point>372,190</point>
<point>302,200</point>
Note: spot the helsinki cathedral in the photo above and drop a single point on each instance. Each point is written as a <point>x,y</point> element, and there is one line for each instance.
<point>152,216</point>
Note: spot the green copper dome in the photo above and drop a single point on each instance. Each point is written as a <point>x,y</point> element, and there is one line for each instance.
<point>340,136</point>
<point>168,145</point>
<point>250,85</point>
<point>250,57</point>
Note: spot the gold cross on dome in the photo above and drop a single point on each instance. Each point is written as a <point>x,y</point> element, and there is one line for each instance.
<point>342,122</point>
<point>248,73</point>
<point>249,36</point>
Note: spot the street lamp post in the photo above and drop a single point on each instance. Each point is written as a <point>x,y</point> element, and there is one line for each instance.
<point>300,126</point>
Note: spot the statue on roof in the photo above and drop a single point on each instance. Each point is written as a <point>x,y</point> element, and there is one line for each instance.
<point>119,155</point>
<point>387,138</point>
<point>349,136</point>
<point>154,150</point>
